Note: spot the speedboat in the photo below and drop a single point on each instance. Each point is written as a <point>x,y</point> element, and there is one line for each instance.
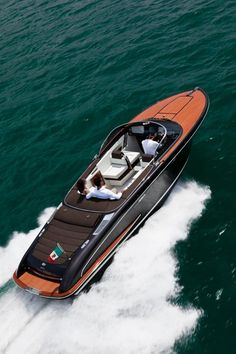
<point>83,234</point>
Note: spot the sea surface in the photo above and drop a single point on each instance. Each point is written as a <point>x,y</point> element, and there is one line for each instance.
<point>70,71</point>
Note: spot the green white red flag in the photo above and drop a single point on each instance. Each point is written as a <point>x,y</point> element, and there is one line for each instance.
<point>56,253</point>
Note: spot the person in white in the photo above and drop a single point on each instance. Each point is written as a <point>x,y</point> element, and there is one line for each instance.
<point>149,145</point>
<point>98,191</point>
<point>102,193</point>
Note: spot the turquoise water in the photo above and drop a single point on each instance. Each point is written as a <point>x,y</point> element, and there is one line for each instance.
<point>71,71</point>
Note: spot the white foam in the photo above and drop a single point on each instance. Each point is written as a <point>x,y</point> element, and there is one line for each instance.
<point>129,310</point>
<point>11,255</point>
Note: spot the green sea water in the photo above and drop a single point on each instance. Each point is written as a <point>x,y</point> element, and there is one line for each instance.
<point>70,71</point>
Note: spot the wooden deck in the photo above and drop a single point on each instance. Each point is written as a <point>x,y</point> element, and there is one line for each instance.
<point>186,109</point>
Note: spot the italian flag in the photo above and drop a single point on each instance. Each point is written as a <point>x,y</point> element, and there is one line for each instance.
<point>56,253</point>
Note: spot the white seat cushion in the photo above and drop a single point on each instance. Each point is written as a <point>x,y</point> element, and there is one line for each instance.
<point>114,171</point>
<point>132,155</point>
<point>121,161</point>
<point>120,182</point>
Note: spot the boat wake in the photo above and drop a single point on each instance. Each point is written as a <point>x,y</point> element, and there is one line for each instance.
<point>128,311</point>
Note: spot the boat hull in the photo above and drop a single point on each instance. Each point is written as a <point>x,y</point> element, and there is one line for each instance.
<point>188,110</point>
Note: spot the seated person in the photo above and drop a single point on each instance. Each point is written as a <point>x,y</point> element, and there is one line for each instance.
<point>150,145</point>
<point>99,190</point>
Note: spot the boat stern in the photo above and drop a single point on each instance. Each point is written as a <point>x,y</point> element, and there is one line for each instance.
<point>37,285</point>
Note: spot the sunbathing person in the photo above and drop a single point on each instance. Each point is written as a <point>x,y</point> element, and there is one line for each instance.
<point>81,186</point>
<point>99,190</point>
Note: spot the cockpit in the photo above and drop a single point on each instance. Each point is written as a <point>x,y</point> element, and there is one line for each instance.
<point>122,161</point>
